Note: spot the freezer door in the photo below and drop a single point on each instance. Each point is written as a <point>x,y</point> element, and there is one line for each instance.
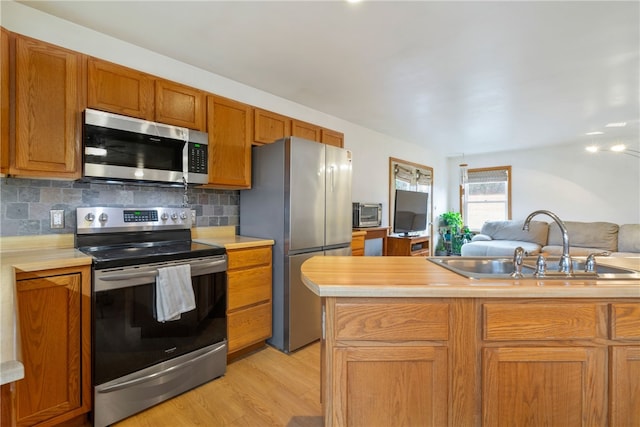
<point>306,189</point>
<point>338,196</point>
<point>304,320</point>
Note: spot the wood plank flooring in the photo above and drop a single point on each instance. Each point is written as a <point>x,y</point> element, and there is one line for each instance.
<point>266,388</point>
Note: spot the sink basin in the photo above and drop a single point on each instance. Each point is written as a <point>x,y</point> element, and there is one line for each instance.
<point>501,268</point>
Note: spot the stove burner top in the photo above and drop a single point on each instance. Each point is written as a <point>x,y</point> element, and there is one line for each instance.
<point>122,255</point>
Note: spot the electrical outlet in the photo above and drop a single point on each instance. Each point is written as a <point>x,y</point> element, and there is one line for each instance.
<point>56,217</point>
<point>193,217</point>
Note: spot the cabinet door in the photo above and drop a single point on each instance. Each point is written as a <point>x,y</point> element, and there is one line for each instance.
<point>405,390</point>
<point>229,128</point>
<point>625,386</point>
<point>4,100</point>
<point>547,386</point>
<point>269,126</point>
<point>49,99</point>
<point>331,137</point>
<point>54,319</point>
<point>120,90</point>
<point>305,130</point>
<point>180,105</point>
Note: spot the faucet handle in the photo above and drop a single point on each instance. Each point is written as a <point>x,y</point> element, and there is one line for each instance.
<point>518,255</point>
<point>590,264</point>
<point>541,266</point>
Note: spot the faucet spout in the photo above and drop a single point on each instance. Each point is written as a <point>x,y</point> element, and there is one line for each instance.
<point>566,265</point>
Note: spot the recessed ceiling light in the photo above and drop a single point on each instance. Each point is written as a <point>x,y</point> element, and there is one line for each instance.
<point>616,125</point>
<point>618,148</point>
<point>592,148</point>
<point>594,133</point>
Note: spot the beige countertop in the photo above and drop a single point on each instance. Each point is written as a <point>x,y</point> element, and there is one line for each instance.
<point>35,253</point>
<point>416,277</point>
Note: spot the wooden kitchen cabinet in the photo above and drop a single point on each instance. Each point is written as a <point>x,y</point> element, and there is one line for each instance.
<point>54,309</point>
<point>121,90</point>
<point>229,125</point>
<point>4,100</point>
<point>249,297</point>
<point>49,97</point>
<point>269,126</point>
<point>408,246</point>
<point>332,137</point>
<point>305,130</point>
<point>357,243</point>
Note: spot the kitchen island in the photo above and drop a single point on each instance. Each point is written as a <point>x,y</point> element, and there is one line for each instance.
<point>406,342</point>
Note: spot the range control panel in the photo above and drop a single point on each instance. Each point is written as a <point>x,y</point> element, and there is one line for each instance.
<point>113,219</point>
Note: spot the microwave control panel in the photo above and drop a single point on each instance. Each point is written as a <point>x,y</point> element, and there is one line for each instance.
<point>198,158</point>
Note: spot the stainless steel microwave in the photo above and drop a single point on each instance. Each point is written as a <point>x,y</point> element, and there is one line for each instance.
<point>122,148</point>
<point>367,215</point>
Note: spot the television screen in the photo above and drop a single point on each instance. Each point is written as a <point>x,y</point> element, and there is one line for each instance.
<point>410,212</point>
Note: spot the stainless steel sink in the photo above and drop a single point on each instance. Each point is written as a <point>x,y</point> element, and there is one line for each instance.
<point>501,268</point>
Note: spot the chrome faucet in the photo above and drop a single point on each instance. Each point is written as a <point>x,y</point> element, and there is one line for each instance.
<point>566,265</point>
<point>518,256</point>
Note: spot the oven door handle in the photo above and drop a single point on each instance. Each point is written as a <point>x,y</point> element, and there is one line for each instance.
<point>198,268</point>
<point>155,375</point>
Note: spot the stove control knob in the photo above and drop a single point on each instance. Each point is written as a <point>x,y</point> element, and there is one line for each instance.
<point>103,217</point>
<point>164,216</point>
<point>89,217</point>
<point>174,216</point>
<point>183,215</point>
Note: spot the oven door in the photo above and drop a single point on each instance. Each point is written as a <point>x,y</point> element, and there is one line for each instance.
<point>127,337</point>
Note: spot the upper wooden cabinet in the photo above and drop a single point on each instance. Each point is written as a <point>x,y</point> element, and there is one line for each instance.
<point>49,97</point>
<point>269,126</point>
<point>229,125</point>
<point>4,100</point>
<point>305,130</point>
<point>331,137</point>
<point>180,105</point>
<point>125,91</point>
<point>120,90</point>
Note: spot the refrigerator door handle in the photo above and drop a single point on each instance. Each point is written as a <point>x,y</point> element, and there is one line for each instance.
<point>332,175</point>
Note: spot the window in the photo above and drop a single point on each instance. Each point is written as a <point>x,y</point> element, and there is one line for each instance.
<point>486,196</point>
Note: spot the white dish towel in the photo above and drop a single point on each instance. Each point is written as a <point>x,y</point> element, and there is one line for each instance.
<point>174,292</point>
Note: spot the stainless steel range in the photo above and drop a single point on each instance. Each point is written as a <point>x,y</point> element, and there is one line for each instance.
<point>145,263</point>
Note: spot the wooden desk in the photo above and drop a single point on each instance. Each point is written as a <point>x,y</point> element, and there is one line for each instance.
<point>376,233</point>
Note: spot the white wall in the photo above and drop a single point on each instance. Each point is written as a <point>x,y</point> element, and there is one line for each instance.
<point>371,150</point>
<point>567,180</point>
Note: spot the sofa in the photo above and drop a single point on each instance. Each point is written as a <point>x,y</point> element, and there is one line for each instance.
<point>500,238</point>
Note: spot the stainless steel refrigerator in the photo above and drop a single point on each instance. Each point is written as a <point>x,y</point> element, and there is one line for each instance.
<point>300,198</point>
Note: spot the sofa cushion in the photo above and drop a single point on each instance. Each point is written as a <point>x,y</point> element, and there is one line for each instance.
<point>629,238</point>
<point>596,236</point>
<point>556,250</point>
<point>498,248</point>
<point>512,230</point>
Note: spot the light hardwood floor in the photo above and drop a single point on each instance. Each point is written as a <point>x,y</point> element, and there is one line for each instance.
<point>266,388</point>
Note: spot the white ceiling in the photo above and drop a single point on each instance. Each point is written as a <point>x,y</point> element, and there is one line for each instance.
<point>472,76</point>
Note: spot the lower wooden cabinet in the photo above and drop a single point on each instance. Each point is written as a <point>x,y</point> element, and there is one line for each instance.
<point>481,362</point>
<point>249,277</point>
<point>357,243</point>
<point>54,309</point>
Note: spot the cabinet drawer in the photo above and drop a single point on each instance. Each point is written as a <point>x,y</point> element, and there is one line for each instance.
<point>250,326</point>
<point>543,321</point>
<point>246,287</point>
<point>390,321</point>
<point>248,257</point>
<point>625,321</point>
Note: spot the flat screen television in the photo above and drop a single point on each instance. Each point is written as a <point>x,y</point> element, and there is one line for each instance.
<point>410,212</point>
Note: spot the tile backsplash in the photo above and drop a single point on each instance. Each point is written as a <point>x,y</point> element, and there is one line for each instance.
<point>25,203</point>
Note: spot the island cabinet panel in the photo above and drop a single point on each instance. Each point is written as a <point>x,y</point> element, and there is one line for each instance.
<point>624,384</point>
<point>120,90</point>
<point>269,126</point>
<point>229,125</point>
<point>625,321</point>
<point>49,97</point>
<point>404,380</point>
<point>54,321</point>
<point>544,321</point>
<point>249,298</point>
<point>546,386</point>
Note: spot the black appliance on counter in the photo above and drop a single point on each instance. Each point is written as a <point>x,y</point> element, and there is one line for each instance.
<point>137,360</point>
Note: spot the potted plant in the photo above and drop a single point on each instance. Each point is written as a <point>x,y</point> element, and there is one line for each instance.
<point>453,221</point>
